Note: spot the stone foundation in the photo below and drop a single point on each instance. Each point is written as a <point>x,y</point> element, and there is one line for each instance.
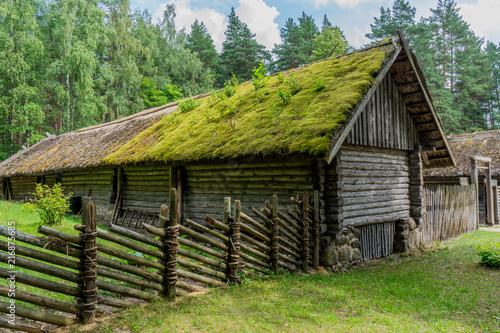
<point>407,235</point>
<point>341,251</point>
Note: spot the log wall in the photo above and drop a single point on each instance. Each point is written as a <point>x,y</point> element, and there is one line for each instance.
<point>93,183</point>
<point>146,187</point>
<point>385,122</point>
<point>252,183</point>
<point>1,189</point>
<point>23,188</point>
<point>373,185</point>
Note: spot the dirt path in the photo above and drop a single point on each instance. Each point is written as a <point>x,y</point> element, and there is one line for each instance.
<point>495,228</point>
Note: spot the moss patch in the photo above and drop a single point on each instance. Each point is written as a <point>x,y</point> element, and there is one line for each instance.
<point>258,122</point>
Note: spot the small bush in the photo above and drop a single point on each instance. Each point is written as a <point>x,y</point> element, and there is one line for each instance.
<point>230,87</point>
<point>293,84</point>
<point>259,77</point>
<point>50,203</point>
<point>281,78</point>
<point>489,253</point>
<point>284,95</point>
<point>189,104</point>
<point>320,84</point>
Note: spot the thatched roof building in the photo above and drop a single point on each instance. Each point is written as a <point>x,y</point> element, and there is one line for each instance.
<point>464,146</point>
<point>359,128</point>
<point>251,122</point>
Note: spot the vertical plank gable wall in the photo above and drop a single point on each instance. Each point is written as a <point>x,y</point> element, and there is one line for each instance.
<point>385,122</point>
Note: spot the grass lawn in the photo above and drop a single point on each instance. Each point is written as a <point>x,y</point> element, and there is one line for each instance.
<point>442,290</point>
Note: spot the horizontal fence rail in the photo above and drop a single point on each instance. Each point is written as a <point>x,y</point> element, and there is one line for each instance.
<point>152,256</point>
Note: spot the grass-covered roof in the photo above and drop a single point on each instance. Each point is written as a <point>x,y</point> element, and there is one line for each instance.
<point>292,112</point>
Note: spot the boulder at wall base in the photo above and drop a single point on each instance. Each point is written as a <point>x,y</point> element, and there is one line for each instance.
<point>356,255</point>
<point>341,241</point>
<point>345,255</point>
<point>356,244</point>
<point>355,232</point>
<point>324,241</point>
<point>329,257</point>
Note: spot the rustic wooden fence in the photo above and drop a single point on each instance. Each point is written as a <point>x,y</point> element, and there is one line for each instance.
<point>184,258</point>
<point>450,212</point>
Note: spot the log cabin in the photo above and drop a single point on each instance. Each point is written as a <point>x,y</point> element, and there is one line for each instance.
<point>356,127</point>
<point>464,146</point>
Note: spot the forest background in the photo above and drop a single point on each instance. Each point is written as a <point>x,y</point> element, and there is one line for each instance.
<point>68,64</point>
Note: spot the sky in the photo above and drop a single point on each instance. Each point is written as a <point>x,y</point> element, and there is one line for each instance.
<point>266,17</point>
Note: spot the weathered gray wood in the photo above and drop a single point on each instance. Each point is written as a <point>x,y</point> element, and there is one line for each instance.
<point>20,326</point>
<point>31,313</point>
<point>88,262</point>
<point>42,301</point>
<point>159,232</point>
<point>42,268</point>
<point>41,283</point>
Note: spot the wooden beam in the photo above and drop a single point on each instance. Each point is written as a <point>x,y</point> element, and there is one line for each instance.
<point>407,84</point>
<point>411,93</point>
<point>406,47</point>
<point>481,159</point>
<point>409,105</point>
<point>398,61</point>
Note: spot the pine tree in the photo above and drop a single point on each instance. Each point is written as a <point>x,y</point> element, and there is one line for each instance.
<point>493,54</point>
<point>330,42</point>
<point>289,53</point>
<point>241,53</point>
<point>308,31</point>
<point>401,18</point>
<point>326,23</point>
<point>201,43</point>
<point>456,67</point>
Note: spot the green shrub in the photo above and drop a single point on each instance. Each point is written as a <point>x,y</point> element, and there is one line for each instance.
<point>259,77</point>
<point>230,87</point>
<point>189,104</point>
<point>320,84</point>
<point>50,203</point>
<point>281,78</point>
<point>293,84</point>
<point>489,253</point>
<point>284,95</point>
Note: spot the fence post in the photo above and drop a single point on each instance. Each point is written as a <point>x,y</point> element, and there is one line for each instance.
<point>234,240</point>
<point>170,246</point>
<point>316,230</point>
<point>305,232</point>
<point>89,263</point>
<point>275,248</point>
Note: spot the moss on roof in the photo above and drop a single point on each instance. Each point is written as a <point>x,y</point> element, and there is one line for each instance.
<point>261,122</point>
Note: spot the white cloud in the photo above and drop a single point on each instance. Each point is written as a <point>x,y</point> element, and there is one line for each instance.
<point>483,18</point>
<point>259,18</point>
<point>185,16</point>
<point>342,3</point>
